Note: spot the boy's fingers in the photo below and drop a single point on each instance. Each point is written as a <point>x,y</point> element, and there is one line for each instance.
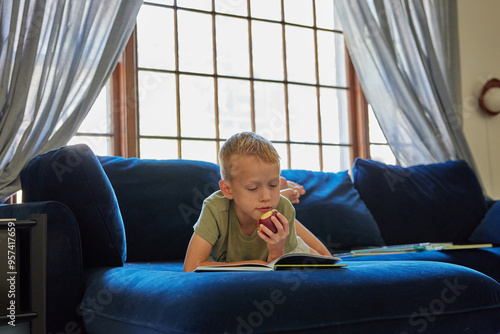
<point>301,190</point>
<point>282,221</point>
<point>282,218</point>
<point>296,196</point>
<point>296,186</point>
<point>264,230</point>
<point>276,223</point>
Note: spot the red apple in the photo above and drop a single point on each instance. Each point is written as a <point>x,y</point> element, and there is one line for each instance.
<point>265,220</point>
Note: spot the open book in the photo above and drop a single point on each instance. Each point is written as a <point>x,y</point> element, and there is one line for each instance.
<point>285,262</point>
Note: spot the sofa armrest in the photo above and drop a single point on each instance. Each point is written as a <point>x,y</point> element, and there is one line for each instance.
<point>65,281</point>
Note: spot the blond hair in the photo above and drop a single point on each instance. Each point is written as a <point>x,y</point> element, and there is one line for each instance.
<point>245,143</point>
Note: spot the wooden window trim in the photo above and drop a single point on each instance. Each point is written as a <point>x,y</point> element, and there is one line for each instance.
<point>358,115</point>
<point>124,102</point>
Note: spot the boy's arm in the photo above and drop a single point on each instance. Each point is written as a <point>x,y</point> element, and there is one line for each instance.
<point>198,252</point>
<point>310,239</point>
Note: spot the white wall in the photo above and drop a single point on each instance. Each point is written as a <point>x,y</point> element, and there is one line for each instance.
<point>479,34</point>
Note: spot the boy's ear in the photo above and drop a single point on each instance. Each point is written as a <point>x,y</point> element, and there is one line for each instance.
<point>226,189</point>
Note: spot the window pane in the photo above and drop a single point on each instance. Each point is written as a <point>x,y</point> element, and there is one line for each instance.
<point>198,4</point>
<point>234,107</point>
<point>232,46</point>
<point>267,50</point>
<point>195,42</point>
<point>99,145</point>
<point>237,7</point>
<point>299,11</point>
<point>161,94</point>
<point>157,104</point>
<point>379,148</point>
<point>197,106</point>
<point>334,116</point>
<point>199,150</point>
<point>98,120</point>
<point>155,38</point>
<point>376,134</point>
<point>266,9</point>
<point>283,153</point>
<point>305,157</point>
<point>324,14</point>
<point>300,54</point>
<point>270,120</point>
<point>331,59</point>
<point>163,2</point>
<point>336,21</point>
<point>303,111</point>
<point>336,159</point>
<point>382,153</point>
<point>158,149</point>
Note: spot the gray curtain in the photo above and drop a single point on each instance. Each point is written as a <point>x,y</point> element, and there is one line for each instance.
<point>406,56</point>
<point>55,56</point>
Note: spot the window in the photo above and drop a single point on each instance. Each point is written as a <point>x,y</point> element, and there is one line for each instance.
<point>96,129</point>
<point>195,72</point>
<point>379,149</point>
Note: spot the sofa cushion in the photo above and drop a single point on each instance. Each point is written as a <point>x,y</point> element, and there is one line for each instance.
<point>484,260</point>
<point>488,230</point>
<point>72,175</point>
<point>332,209</point>
<point>365,297</point>
<point>437,202</point>
<point>160,200</point>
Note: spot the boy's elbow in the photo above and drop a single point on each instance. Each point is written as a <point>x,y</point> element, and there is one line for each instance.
<point>188,267</point>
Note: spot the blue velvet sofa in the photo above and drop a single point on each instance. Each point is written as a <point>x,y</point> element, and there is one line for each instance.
<point>118,231</point>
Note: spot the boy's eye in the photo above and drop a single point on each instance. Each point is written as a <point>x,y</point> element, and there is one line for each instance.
<point>252,189</point>
<point>273,185</point>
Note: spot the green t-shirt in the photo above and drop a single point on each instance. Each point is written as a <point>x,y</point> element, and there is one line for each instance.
<point>218,224</point>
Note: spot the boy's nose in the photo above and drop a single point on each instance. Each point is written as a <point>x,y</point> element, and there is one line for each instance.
<point>265,195</point>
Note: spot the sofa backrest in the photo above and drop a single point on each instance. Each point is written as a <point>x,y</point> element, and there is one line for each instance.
<point>155,203</point>
<point>160,201</point>
<point>332,209</point>
<point>440,202</point>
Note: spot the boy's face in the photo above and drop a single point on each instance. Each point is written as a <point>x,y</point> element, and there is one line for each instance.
<point>254,187</point>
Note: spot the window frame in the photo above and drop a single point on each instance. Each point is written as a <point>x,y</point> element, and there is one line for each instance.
<point>125,109</point>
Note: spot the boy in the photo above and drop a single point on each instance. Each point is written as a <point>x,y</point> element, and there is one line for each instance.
<point>226,230</point>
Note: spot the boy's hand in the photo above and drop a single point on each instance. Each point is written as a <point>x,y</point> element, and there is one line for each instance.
<point>292,194</point>
<point>275,241</point>
<point>291,190</point>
